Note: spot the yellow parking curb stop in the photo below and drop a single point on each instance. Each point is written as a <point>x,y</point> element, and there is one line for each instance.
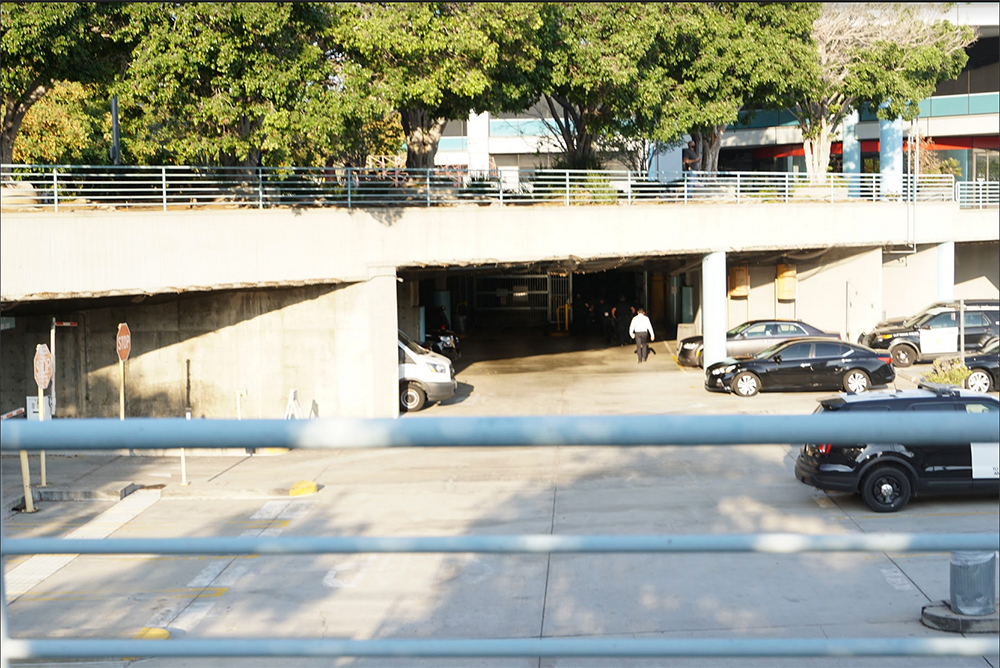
<point>303,488</point>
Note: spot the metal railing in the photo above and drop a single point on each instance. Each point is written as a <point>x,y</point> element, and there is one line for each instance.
<point>977,194</point>
<point>69,187</point>
<point>103,434</point>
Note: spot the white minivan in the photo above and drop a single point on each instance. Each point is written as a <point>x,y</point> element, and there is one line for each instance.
<point>423,375</point>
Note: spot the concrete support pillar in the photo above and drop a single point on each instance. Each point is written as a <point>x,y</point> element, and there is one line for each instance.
<point>851,145</point>
<point>714,308</point>
<point>946,271</point>
<point>379,307</point>
<point>890,156</point>
<point>851,153</point>
<point>478,141</point>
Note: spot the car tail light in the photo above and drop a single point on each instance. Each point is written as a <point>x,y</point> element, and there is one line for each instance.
<point>823,449</point>
<point>887,359</point>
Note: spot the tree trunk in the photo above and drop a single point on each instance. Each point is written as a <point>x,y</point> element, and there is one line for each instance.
<point>423,132</point>
<point>817,150</point>
<point>578,144</point>
<point>14,109</point>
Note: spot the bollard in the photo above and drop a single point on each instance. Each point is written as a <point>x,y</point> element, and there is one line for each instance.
<point>973,581</point>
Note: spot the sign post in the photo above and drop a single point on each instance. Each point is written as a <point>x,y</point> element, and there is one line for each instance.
<point>123,344</point>
<point>43,374</point>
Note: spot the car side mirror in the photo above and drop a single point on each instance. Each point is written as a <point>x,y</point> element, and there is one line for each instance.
<point>777,358</point>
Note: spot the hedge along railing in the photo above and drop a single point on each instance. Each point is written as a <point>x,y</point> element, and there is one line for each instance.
<point>74,187</point>
<point>102,434</point>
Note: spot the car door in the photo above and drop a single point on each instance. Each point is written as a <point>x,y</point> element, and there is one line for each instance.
<point>942,468</point>
<point>830,362</point>
<point>985,457</point>
<point>793,367</point>
<point>751,340</point>
<point>977,329</point>
<point>939,334</point>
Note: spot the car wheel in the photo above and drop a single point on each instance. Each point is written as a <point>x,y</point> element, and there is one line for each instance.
<point>856,381</point>
<point>886,489</point>
<point>411,397</point>
<point>904,355</point>
<point>746,384</point>
<point>979,381</point>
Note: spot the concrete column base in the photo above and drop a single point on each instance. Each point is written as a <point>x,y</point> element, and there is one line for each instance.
<point>940,616</point>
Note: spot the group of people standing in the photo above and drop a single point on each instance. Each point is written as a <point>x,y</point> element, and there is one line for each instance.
<point>619,322</point>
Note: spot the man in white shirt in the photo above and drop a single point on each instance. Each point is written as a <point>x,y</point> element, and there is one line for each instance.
<point>641,329</point>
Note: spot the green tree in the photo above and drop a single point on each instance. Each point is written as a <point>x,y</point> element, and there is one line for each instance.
<point>610,74</point>
<point>741,56</point>
<point>71,124</point>
<point>46,42</point>
<point>229,84</point>
<point>872,54</point>
<point>439,61</point>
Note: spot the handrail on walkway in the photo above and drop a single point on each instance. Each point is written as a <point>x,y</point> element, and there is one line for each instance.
<point>102,187</point>
<point>658,430</point>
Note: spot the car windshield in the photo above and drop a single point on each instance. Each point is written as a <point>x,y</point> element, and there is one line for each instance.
<point>918,320</point>
<point>738,328</point>
<point>412,345</point>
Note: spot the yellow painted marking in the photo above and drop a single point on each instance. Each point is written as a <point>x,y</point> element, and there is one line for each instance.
<point>303,488</point>
<point>270,451</point>
<point>152,633</point>
<point>187,592</point>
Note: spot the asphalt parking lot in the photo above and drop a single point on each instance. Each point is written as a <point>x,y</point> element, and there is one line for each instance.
<point>468,491</point>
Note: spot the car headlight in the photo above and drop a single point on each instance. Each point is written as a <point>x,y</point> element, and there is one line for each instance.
<point>689,346</point>
<point>885,337</point>
<point>437,368</point>
<point>722,370</point>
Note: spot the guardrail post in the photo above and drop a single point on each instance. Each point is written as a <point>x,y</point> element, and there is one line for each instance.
<point>738,187</point>
<point>163,185</point>
<point>347,175</point>
<point>567,187</point>
<point>260,187</point>
<point>55,188</point>
<point>787,187</point>
<point>830,176</point>
<point>500,185</point>
<point>686,186</point>
<point>629,191</point>
<point>428,187</point>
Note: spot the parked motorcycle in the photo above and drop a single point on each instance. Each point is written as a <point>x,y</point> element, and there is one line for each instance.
<point>443,341</point>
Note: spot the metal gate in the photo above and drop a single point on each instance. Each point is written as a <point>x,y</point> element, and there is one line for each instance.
<point>519,301</point>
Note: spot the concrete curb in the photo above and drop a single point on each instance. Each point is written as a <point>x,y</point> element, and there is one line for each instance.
<point>940,616</point>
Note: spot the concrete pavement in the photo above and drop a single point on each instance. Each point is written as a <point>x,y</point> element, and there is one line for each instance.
<point>566,490</point>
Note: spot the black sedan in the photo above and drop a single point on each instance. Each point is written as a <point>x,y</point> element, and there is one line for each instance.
<point>748,339</point>
<point>809,363</point>
<point>984,375</point>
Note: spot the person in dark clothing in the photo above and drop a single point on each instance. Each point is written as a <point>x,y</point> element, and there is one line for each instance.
<point>607,320</point>
<point>623,316</point>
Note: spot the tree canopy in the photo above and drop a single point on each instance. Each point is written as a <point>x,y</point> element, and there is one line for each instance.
<point>885,56</point>
<point>41,43</point>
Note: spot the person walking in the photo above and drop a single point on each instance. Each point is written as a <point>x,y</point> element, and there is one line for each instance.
<point>641,329</point>
<point>621,314</point>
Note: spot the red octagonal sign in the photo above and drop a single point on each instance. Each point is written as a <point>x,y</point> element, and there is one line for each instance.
<point>43,366</point>
<point>123,341</point>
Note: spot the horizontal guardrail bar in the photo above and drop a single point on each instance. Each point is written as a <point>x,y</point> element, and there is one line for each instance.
<point>914,428</point>
<point>776,543</point>
<point>515,647</point>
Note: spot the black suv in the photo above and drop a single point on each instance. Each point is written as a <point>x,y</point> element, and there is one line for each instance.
<point>935,331</point>
<point>887,475</point>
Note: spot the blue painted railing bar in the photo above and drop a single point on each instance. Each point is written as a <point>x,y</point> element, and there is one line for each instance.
<point>638,430</point>
<point>776,543</point>
<point>518,647</point>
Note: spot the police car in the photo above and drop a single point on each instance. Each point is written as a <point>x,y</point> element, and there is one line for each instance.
<point>887,476</point>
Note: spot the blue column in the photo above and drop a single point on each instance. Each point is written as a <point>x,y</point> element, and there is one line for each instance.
<point>890,156</point>
<point>852,153</point>
<point>946,271</point>
<point>714,307</point>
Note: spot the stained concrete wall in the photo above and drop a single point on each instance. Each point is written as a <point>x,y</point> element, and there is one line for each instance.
<point>335,345</point>
<point>910,279</point>
<point>50,255</point>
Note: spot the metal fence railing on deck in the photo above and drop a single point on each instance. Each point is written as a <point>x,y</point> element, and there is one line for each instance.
<point>977,194</point>
<point>69,187</point>
<point>95,435</point>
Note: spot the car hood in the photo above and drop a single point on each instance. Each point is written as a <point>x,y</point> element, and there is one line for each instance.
<point>693,339</point>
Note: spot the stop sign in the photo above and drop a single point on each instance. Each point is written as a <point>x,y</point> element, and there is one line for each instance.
<point>123,341</point>
<point>43,366</point>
